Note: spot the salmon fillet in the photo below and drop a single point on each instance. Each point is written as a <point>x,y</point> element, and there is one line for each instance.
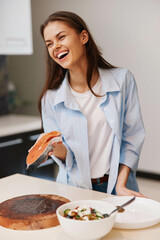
<point>41,148</point>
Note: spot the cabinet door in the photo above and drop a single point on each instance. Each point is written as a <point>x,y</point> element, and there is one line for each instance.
<point>16,27</point>
<point>12,158</point>
<point>13,153</point>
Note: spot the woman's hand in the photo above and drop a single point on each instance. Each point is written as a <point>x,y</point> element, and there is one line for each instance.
<point>59,150</point>
<point>121,183</point>
<point>123,191</point>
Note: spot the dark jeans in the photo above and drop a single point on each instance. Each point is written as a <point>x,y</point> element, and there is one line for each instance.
<point>101,187</point>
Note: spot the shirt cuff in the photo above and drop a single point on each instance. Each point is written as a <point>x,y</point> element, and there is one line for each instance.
<point>130,160</point>
<point>67,163</point>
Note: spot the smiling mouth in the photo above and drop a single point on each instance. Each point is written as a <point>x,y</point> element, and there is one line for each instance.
<point>62,55</point>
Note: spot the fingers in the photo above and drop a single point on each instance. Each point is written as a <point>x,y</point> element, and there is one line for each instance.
<point>137,194</point>
<point>51,153</point>
<point>127,192</point>
<point>55,145</point>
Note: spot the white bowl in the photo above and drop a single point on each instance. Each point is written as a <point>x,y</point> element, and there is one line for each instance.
<point>89,230</point>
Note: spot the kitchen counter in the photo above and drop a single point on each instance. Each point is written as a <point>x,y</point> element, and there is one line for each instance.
<point>12,124</point>
<point>18,184</point>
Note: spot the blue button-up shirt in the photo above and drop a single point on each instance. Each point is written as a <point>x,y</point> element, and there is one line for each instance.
<point>60,112</point>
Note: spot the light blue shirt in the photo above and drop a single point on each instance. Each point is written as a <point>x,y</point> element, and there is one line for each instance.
<point>60,112</point>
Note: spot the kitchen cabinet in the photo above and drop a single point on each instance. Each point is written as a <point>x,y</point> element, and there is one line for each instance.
<point>17,134</point>
<point>13,152</point>
<point>16,27</point>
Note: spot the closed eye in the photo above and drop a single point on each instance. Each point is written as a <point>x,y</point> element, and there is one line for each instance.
<point>49,45</point>
<point>61,37</point>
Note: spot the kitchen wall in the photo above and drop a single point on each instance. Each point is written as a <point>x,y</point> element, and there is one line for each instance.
<point>128,33</point>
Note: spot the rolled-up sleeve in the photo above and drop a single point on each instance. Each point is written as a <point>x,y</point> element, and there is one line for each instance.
<point>50,124</point>
<point>133,132</point>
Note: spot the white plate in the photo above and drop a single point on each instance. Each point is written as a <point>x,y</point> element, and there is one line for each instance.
<point>141,213</point>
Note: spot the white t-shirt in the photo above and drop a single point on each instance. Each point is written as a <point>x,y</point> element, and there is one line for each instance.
<point>100,134</point>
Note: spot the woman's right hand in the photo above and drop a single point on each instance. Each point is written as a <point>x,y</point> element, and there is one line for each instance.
<point>59,150</point>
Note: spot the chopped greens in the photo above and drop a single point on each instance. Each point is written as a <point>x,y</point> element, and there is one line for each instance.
<point>83,213</point>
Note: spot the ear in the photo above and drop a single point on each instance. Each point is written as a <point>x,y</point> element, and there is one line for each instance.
<point>84,37</point>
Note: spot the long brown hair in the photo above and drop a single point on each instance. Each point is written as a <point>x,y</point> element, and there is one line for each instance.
<point>54,72</point>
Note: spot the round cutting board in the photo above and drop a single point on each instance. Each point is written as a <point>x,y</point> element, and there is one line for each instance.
<point>31,212</point>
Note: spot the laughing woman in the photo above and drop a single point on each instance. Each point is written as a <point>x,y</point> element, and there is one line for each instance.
<point>94,105</point>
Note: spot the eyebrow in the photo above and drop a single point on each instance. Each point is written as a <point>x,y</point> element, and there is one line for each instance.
<point>57,35</point>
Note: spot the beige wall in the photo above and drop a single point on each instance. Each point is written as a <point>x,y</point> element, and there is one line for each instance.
<point>129,36</point>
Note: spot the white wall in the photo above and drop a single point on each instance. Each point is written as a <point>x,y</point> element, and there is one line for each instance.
<point>129,35</point>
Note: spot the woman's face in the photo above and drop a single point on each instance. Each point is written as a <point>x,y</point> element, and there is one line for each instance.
<point>65,46</point>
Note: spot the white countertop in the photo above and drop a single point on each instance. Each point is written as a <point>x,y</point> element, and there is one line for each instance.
<point>18,184</point>
<point>13,124</point>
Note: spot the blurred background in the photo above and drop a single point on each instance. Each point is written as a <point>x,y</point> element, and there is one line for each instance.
<point>128,35</point>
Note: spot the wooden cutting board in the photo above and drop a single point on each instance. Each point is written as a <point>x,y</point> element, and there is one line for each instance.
<point>31,212</point>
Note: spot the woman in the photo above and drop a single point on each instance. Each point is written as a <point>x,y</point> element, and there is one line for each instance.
<point>94,105</point>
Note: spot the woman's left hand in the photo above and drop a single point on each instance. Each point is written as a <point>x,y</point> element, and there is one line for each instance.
<point>121,188</point>
<point>123,191</point>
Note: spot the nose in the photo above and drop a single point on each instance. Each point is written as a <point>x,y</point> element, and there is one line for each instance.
<point>56,45</point>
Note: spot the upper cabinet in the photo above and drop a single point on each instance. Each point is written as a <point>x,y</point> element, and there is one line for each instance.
<point>15,27</point>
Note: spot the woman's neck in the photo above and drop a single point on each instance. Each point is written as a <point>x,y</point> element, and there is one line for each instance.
<point>78,79</point>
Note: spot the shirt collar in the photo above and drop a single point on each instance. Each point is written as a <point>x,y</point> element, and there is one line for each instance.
<point>109,83</point>
<point>63,94</point>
